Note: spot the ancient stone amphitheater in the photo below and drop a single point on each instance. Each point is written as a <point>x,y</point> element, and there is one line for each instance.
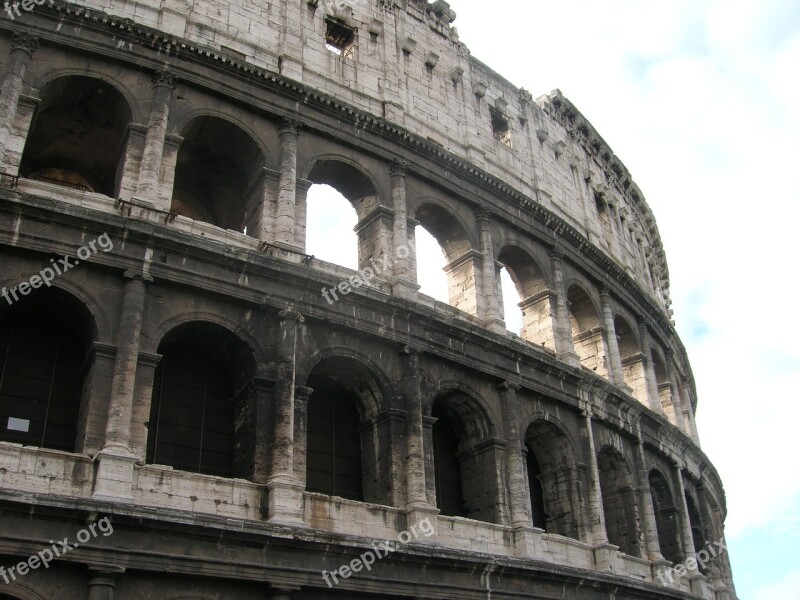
<point>183,406</point>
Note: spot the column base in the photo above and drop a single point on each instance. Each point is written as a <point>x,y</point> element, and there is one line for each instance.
<point>571,358</point>
<point>403,288</point>
<point>496,325</point>
<point>606,558</point>
<point>114,474</point>
<point>285,501</point>
<point>287,247</point>
<point>528,542</point>
<point>700,587</point>
<point>417,513</point>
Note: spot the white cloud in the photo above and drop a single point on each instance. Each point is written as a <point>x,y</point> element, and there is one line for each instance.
<point>786,589</point>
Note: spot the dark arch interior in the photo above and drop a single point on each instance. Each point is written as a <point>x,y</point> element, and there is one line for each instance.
<point>346,179</point>
<point>696,523</point>
<point>619,501</point>
<point>443,226</point>
<point>193,410</point>
<point>78,135</point>
<point>216,173</point>
<point>333,459</point>
<point>449,492</point>
<point>525,273</point>
<point>552,459</point>
<point>628,344</point>
<point>582,311</point>
<point>44,343</point>
<point>666,517</point>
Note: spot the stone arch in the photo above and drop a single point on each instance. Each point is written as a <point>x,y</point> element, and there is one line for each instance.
<point>201,391</point>
<point>630,352</point>
<point>536,300</point>
<point>78,135</point>
<point>22,590</point>
<point>552,478</point>
<point>353,181</point>
<point>466,458</point>
<point>45,343</point>
<point>619,501</point>
<point>667,516</point>
<point>219,174</point>
<point>463,265</point>
<point>349,447</point>
<point>587,330</point>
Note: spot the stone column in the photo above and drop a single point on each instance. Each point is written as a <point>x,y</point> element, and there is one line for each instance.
<point>683,509</point>
<point>653,398</point>
<point>22,49</point>
<point>287,187</point>
<point>688,410</point>
<point>677,402</point>
<point>649,527</point>
<point>301,213</point>
<point>515,467</point>
<point>565,347</point>
<point>102,581</point>
<point>404,280</point>
<point>169,162</point>
<point>115,461</point>
<point>301,396</point>
<point>285,492</point>
<point>150,168</point>
<point>493,313</point>
<point>615,362</point>
<point>597,524</point>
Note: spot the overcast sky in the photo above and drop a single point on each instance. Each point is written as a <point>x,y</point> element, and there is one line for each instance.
<point>701,101</point>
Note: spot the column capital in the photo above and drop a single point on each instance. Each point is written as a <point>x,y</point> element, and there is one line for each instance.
<point>24,42</point>
<point>399,168</point>
<point>409,351</point>
<point>484,215</point>
<point>605,291</point>
<point>136,275</point>
<point>291,314</point>
<point>302,392</point>
<point>291,126</point>
<point>509,385</point>
<point>556,253</point>
<point>163,78</point>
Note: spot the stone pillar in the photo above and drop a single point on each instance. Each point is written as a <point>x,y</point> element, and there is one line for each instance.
<point>683,510</point>
<point>404,280</point>
<point>301,213</point>
<point>430,463</point>
<point>597,520</point>
<point>150,168</point>
<point>677,402</point>
<point>287,187</point>
<point>515,467</point>
<point>493,314</point>
<point>169,162</point>
<point>301,396</point>
<point>22,48</point>
<point>102,581</point>
<point>654,400</point>
<point>115,461</point>
<point>565,347</point>
<point>614,360</point>
<point>688,410</point>
<point>285,492</point>
<point>649,527</point>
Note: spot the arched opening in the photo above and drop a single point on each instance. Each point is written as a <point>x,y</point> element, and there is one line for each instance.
<point>350,183</point>
<point>664,386</point>
<point>196,404</point>
<point>218,175</point>
<point>535,300</point>
<point>466,463</point>
<point>696,525</point>
<point>44,344</point>
<point>78,136</point>
<point>666,517</point>
<point>619,501</point>
<point>630,353</point>
<point>552,480</point>
<point>449,491</point>
<point>587,333</point>
<point>431,262</point>
<point>330,229</point>
<point>461,264</point>
<point>348,450</point>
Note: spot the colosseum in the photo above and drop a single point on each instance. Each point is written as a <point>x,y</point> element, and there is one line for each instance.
<point>193,407</point>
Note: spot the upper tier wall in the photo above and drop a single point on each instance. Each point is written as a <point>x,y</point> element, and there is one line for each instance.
<point>407,65</point>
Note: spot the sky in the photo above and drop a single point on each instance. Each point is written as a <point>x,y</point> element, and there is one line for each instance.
<point>701,101</point>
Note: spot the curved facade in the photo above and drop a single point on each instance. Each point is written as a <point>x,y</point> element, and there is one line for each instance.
<point>221,415</point>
